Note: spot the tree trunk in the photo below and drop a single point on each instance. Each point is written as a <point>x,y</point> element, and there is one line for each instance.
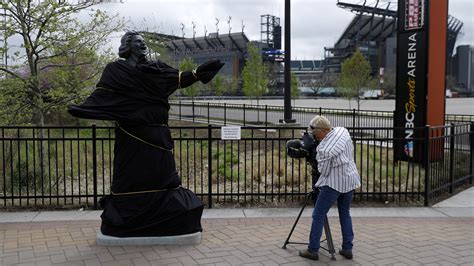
<point>39,121</point>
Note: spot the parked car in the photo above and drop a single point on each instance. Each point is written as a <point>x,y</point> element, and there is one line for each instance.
<point>327,92</point>
<point>372,94</point>
<point>306,91</point>
<point>321,92</point>
<point>449,94</point>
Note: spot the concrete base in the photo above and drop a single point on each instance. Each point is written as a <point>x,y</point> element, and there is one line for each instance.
<point>189,239</point>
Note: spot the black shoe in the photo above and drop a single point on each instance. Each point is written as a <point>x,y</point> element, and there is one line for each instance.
<point>346,254</point>
<point>309,255</point>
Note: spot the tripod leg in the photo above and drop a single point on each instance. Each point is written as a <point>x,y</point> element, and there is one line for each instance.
<point>327,231</point>
<point>308,198</point>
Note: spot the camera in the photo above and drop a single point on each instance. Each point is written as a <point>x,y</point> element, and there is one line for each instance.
<point>305,148</point>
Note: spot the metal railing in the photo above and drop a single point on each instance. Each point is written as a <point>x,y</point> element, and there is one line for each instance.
<point>72,166</point>
<point>248,114</point>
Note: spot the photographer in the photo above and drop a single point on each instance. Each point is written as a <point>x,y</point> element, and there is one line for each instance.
<point>337,182</point>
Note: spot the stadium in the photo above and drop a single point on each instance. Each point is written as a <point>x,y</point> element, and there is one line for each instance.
<point>372,30</point>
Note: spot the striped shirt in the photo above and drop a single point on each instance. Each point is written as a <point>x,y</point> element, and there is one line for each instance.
<point>336,163</point>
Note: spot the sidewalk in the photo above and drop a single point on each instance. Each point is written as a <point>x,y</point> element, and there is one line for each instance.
<point>441,235</point>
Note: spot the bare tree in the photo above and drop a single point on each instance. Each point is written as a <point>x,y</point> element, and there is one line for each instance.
<point>317,82</point>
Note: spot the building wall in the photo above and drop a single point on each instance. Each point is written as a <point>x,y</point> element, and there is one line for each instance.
<point>233,61</point>
<point>391,54</point>
<point>465,67</point>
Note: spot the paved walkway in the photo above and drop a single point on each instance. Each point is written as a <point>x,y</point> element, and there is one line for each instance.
<point>442,235</point>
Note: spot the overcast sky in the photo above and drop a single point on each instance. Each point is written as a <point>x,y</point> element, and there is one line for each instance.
<point>315,23</point>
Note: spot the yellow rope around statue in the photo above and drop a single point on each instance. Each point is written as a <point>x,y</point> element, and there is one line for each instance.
<point>144,191</point>
<point>105,89</point>
<point>144,141</point>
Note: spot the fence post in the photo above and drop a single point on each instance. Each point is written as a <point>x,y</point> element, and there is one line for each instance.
<point>426,162</point>
<point>266,115</point>
<point>451,159</point>
<point>471,139</point>
<point>94,163</point>
<point>354,123</point>
<point>225,114</point>
<point>209,166</point>
<point>244,114</point>
<point>320,111</point>
<point>208,113</point>
<point>353,117</point>
<point>193,114</point>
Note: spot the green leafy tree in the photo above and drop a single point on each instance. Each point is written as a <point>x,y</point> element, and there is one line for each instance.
<point>294,88</point>
<point>57,59</point>
<point>450,82</point>
<point>223,85</point>
<point>192,91</point>
<point>389,81</point>
<point>232,84</point>
<point>218,86</point>
<point>187,64</point>
<point>355,76</point>
<point>254,75</point>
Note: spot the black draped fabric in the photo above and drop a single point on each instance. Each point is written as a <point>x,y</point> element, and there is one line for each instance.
<point>147,199</point>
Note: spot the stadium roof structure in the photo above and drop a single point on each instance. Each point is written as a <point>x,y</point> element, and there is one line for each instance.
<point>214,41</point>
<point>378,21</point>
<point>159,36</point>
<point>305,64</point>
<point>454,27</point>
<point>371,23</point>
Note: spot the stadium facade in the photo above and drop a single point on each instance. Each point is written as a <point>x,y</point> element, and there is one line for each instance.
<point>230,48</point>
<point>373,31</point>
<point>462,69</point>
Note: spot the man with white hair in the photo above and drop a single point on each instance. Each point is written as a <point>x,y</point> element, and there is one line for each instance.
<point>339,178</point>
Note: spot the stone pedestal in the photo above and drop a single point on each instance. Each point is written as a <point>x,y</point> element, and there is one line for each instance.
<point>189,239</point>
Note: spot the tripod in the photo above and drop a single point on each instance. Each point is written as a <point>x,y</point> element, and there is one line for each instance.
<point>327,230</point>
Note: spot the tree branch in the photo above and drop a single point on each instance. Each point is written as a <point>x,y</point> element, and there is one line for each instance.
<point>11,73</point>
<point>64,65</point>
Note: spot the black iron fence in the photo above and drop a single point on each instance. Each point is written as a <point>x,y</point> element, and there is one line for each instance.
<point>72,166</point>
<point>248,114</point>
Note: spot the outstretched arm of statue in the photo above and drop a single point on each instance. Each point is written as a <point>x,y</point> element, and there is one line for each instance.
<point>186,78</point>
<point>204,73</point>
<point>208,70</point>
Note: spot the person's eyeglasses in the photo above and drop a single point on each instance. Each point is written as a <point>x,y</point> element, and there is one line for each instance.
<point>313,128</point>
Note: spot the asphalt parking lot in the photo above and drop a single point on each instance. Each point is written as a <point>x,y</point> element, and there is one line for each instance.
<point>453,105</point>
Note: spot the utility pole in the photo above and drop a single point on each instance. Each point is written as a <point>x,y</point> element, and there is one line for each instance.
<point>287,100</point>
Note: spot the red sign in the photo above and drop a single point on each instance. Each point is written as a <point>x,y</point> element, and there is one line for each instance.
<point>414,14</point>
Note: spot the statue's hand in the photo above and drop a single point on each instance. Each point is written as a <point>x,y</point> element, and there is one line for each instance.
<point>208,70</point>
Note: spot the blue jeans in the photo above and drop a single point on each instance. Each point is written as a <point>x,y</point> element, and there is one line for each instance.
<point>327,197</point>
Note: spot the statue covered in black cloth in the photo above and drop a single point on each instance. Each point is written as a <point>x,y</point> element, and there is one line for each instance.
<point>147,198</point>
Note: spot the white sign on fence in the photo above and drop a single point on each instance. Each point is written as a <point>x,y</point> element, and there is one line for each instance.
<point>231,132</point>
